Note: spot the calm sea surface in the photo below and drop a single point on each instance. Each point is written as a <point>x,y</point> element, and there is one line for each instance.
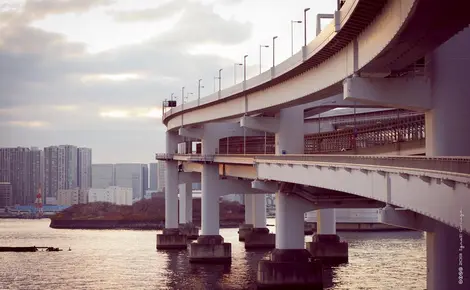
<point>123,259</point>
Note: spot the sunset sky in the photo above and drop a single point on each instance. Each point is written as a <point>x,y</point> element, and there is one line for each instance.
<point>93,73</point>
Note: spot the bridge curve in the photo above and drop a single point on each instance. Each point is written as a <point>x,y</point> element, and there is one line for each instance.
<point>379,38</point>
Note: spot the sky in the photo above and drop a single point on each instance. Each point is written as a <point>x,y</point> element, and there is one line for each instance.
<point>93,73</point>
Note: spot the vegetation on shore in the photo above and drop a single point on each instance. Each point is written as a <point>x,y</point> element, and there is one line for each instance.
<point>151,210</point>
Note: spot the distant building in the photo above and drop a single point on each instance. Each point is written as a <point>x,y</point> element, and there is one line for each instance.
<point>161,175</point>
<point>153,169</point>
<point>6,194</point>
<point>145,179</point>
<point>54,170</point>
<point>15,168</point>
<point>84,168</point>
<point>37,171</point>
<point>68,197</point>
<point>71,166</point>
<point>102,175</point>
<point>130,175</point>
<point>113,194</point>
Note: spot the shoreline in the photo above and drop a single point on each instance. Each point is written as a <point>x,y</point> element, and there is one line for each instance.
<point>121,224</point>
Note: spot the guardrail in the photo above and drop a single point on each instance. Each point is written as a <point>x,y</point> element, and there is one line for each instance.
<point>448,164</point>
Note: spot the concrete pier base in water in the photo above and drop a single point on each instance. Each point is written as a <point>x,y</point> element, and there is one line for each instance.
<point>171,239</point>
<point>210,250</point>
<point>189,230</point>
<point>329,249</point>
<point>260,238</point>
<point>290,269</point>
<point>243,230</point>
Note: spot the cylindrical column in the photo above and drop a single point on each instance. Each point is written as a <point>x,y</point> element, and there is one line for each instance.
<point>446,125</point>
<point>446,254</point>
<point>289,222</point>
<point>259,210</point>
<point>171,195</point>
<point>186,203</point>
<point>326,221</point>
<point>248,209</point>
<point>210,200</point>
<point>290,138</point>
<point>447,130</point>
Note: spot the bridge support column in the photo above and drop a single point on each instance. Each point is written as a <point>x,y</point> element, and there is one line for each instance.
<point>248,225</point>
<point>171,238</point>
<point>447,258</point>
<point>290,266</point>
<point>326,244</point>
<point>210,246</point>
<point>447,130</point>
<point>290,137</point>
<point>259,237</point>
<point>186,212</point>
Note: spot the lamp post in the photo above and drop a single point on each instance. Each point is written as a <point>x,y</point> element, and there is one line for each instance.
<point>235,72</point>
<point>199,91</point>
<point>305,25</point>
<point>220,81</point>
<point>292,35</point>
<point>274,51</point>
<point>260,48</point>
<point>244,67</point>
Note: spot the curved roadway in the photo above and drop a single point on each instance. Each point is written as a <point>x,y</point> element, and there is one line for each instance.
<point>375,38</point>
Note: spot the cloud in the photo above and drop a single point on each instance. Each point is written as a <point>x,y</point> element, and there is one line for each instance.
<point>51,84</point>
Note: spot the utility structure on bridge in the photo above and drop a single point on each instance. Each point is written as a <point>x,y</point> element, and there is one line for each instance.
<point>411,55</point>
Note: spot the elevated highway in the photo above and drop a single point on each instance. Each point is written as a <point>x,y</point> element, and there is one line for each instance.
<point>408,54</point>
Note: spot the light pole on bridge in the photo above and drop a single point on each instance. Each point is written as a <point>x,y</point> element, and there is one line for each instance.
<point>305,25</point>
<point>274,51</point>
<point>292,35</point>
<point>260,48</point>
<point>235,72</point>
<point>220,81</point>
<point>199,91</point>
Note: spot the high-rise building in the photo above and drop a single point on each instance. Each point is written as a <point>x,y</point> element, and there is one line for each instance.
<point>15,169</point>
<point>54,170</point>
<point>161,175</point>
<point>6,194</point>
<point>71,166</point>
<point>37,170</point>
<point>153,176</point>
<point>145,179</point>
<point>130,175</point>
<point>102,175</point>
<point>84,168</point>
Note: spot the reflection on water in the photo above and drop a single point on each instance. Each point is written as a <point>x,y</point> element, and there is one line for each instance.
<point>115,259</point>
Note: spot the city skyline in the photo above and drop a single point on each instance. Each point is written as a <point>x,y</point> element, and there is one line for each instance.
<point>101,85</point>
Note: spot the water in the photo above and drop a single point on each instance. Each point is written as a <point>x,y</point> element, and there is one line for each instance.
<point>114,259</point>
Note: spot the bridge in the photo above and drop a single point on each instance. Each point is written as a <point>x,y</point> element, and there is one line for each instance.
<point>270,134</point>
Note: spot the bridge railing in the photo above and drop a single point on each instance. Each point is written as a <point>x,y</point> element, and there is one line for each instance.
<point>448,164</point>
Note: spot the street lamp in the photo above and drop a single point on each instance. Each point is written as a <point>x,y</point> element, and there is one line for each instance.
<point>199,91</point>
<point>220,80</point>
<point>292,35</point>
<point>244,67</point>
<point>305,25</point>
<point>261,47</point>
<point>274,50</point>
<point>215,78</point>
<point>235,72</point>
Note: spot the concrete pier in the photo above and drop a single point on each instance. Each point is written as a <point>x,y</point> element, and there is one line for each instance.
<point>243,230</point>
<point>260,238</point>
<point>329,249</point>
<point>171,239</point>
<point>290,269</point>
<point>189,230</point>
<point>210,250</point>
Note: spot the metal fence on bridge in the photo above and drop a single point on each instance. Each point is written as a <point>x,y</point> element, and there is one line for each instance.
<point>383,132</point>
